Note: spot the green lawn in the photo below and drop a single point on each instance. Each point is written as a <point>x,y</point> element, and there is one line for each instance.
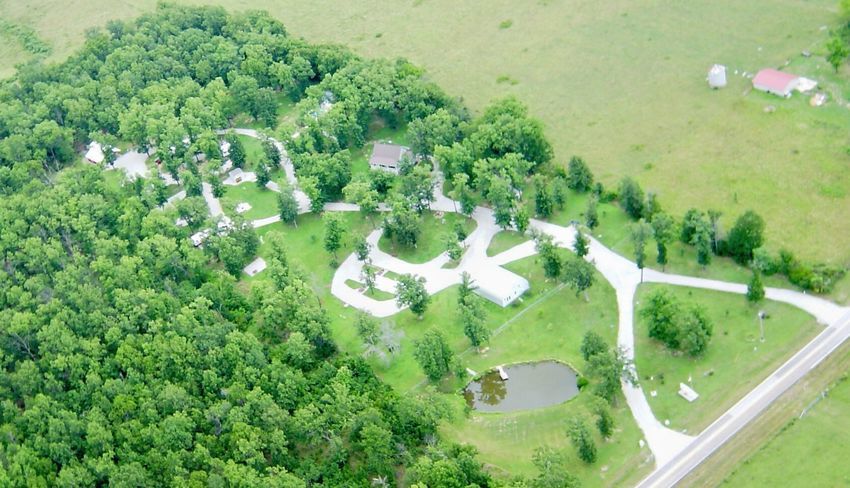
<point>736,361</point>
<point>430,243</point>
<point>263,201</point>
<point>505,240</point>
<point>811,451</point>
<point>551,326</point>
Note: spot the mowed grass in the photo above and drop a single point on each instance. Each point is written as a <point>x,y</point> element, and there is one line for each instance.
<point>505,240</point>
<point>632,100</point>
<point>735,362</point>
<point>811,451</point>
<point>551,327</point>
<point>432,238</point>
<point>262,200</point>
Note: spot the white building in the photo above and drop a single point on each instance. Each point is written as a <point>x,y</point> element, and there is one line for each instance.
<point>717,76</point>
<point>498,285</point>
<point>388,157</point>
<point>95,153</point>
<point>255,267</point>
<point>199,237</point>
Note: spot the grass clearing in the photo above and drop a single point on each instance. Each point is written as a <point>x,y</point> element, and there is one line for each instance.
<point>431,238</point>
<point>551,328</point>
<point>741,454</point>
<point>817,445</point>
<point>262,200</point>
<point>505,240</point>
<point>736,361</point>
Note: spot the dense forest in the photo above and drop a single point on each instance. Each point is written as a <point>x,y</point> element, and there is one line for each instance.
<point>131,358</point>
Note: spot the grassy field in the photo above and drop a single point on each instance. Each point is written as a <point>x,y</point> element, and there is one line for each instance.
<point>551,328</point>
<point>505,240</point>
<point>736,361</point>
<point>533,328</point>
<point>808,451</point>
<point>262,200</point>
<point>431,241</point>
<point>632,99</point>
<point>740,454</point>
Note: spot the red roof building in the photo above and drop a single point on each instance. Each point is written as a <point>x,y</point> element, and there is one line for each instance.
<point>776,82</point>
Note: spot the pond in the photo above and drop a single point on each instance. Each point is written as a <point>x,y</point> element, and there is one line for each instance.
<point>529,385</point>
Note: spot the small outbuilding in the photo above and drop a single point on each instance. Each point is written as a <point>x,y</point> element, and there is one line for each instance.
<point>95,153</point>
<point>255,266</point>
<point>499,285</point>
<point>388,157</point>
<point>777,82</point>
<point>717,76</point>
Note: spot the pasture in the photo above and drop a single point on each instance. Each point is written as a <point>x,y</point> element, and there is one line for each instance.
<point>622,84</point>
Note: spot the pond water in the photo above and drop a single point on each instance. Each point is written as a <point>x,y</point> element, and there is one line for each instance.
<point>529,385</point>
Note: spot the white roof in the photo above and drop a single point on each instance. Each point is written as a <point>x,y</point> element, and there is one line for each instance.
<point>499,283</point>
<point>718,68</point>
<point>95,153</point>
<point>255,266</point>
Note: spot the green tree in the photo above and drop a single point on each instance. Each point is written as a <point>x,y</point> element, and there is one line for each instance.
<point>591,216</point>
<point>559,192</point>
<point>582,439</point>
<point>263,175</point>
<point>367,328</point>
<point>543,204</point>
<point>463,194</point>
<point>411,292</point>
<point>604,419</point>
<point>552,262</point>
<point>579,177</point>
<point>236,151</point>
<point>453,246</point>
<point>471,314</point>
<point>701,239</point>
<point>592,344</point>
<point>552,470</point>
<point>755,288</point>
<point>433,354</point>
<point>369,276</point>
<point>745,236</point>
<point>662,311</point>
<point>287,205</point>
<point>641,233</point>
<point>362,248</point>
<point>581,245</point>
<point>216,185</point>
<point>334,233</point>
<point>631,198</point>
<point>521,218</point>
<point>402,224</point>
<point>607,370</point>
<point>664,232</point>
<point>837,52</point>
<point>360,192</point>
<point>695,331</point>
<point>578,274</point>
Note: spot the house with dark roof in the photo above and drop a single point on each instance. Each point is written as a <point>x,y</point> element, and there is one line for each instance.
<point>388,157</point>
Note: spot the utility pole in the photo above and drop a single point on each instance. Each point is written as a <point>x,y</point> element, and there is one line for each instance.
<point>761,316</point>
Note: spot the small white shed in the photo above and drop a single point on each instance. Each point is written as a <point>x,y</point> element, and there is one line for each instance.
<point>95,153</point>
<point>499,285</point>
<point>717,76</point>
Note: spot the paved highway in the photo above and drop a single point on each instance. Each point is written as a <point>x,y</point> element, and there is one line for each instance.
<point>712,438</point>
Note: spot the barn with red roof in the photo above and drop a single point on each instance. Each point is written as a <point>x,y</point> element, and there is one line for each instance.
<point>777,82</point>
